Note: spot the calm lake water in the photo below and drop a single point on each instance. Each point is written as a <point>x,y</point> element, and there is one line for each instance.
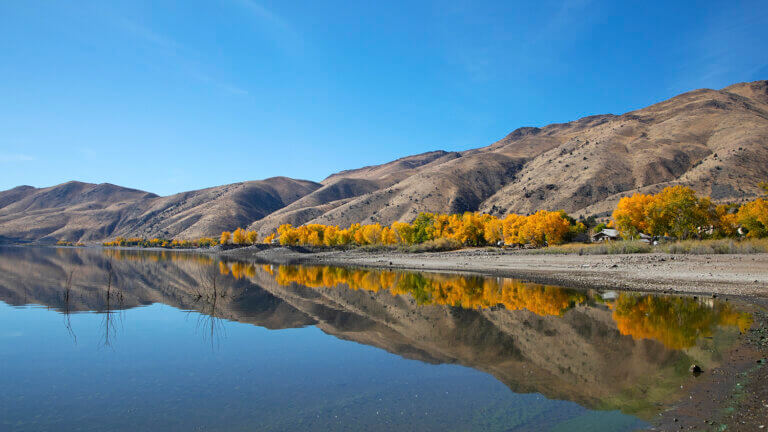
<point>95,339</point>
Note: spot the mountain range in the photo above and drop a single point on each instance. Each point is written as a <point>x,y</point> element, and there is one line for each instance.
<point>715,141</point>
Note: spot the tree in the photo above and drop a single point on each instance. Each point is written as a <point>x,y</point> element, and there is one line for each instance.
<point>726,222</point>
<point>493,231</point>
<point>471,229</point>
<point>287,234</point>
<point>511,226</point>
<point>423,227</point>
<point>251,237</point>
<point>225,237</point>
<point>371,234</point>
<point>404,232</point>
<point>388,236</point>
<point>753,216</point>
<point>238,237</point>
<point>678,212</point>
<point>630,215</point>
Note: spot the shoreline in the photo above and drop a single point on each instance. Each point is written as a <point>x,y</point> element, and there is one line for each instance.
<point>737,275</point>
<point>741,275</point>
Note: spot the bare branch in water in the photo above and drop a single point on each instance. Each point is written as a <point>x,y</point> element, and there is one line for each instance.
<point>67,310</point>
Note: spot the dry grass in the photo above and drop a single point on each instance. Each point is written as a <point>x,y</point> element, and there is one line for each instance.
<point>693,247</point>
<point>436,245</point>
<point>723,246</point>
<point>604,248</point>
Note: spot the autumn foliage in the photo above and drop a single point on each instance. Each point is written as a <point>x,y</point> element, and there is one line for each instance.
<point>678,212</point>
<point>469,229</point>
<point>202,242</point>
<point>677,322</point>
<point>468,292</point>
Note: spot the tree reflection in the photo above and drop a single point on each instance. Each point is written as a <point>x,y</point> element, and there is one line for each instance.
<point>677,322</point>
<point>468,292</point>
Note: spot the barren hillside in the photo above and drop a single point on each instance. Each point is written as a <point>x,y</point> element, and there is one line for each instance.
<point>715,141</point>
<point>86,212</point>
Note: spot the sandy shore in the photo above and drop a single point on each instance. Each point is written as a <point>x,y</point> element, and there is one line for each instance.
<point>737,275</point>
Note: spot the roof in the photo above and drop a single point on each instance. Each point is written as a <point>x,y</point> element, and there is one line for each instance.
<point>608,232</point>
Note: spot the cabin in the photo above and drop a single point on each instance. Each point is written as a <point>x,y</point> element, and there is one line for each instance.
<point>606,234</point>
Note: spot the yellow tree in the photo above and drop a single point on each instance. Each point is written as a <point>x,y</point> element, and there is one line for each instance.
<point>555,226</point>
<point>287,235</point>
<point>372,233</point>
<point>493,230</point>
<point>678,212</point>
<point>630,215</point>
<point>471,230</point>
<point>726,222</point>
<point>251,237</point>
<point>404,232</point>
<point>238,237</point>
<point>754,217</point>
<point>511,228</point>
<point>330,235</point>
<point>388,236</point>
<point>225,237</point>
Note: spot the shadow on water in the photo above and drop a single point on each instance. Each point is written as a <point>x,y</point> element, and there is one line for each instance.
<point>603,350</point>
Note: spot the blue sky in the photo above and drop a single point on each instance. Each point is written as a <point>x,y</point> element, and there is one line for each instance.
<point>168,96</point>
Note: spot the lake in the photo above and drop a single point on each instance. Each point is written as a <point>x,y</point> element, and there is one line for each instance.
<point>101,339</point>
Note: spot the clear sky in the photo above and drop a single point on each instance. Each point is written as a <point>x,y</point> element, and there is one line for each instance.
<point>168,96</point>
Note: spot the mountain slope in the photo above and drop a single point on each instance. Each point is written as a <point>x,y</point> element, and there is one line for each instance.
<point>86,212</point>
<point>715,141</point>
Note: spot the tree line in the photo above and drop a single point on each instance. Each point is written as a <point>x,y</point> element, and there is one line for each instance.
<point>201,242</point>
<point>468,229</point>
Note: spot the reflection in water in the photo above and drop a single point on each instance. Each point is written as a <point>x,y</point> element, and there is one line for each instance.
<point>677,322</point>
<point>111,314</point>
<point>468,292</point>
<point>67,306</point>
<point>141,255</point>
<point>630,353</point>
<point>207,297</point>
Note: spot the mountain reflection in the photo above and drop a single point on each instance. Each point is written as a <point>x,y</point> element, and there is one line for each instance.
<point>627,351</point>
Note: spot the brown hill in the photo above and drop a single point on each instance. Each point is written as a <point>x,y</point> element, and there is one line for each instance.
<point>86,212</point>
<point>715,141</point>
